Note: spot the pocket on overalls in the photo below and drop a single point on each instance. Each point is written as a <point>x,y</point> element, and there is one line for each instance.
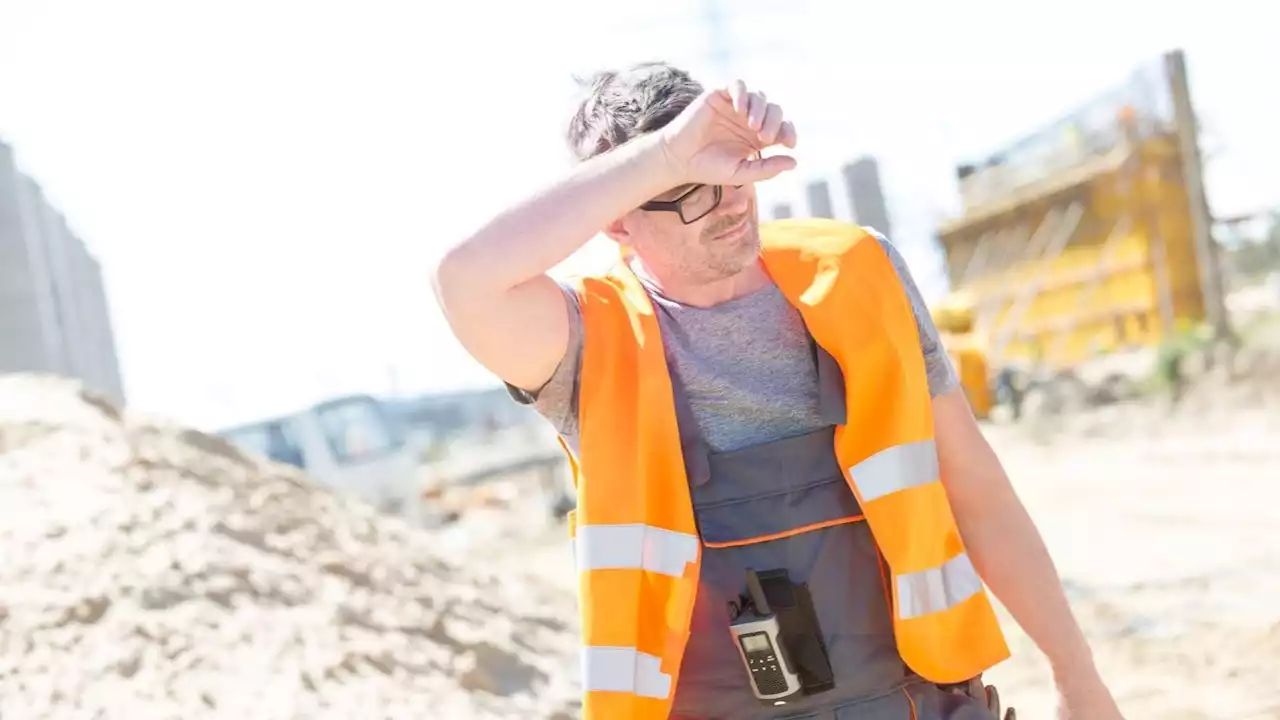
<point>758,526</point>
<point>777,514</point>
<point>759,529</point>
<point>929,702</point>
<point>816,532</point>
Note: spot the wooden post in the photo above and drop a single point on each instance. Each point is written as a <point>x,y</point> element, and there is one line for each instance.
<point>1193,174</point>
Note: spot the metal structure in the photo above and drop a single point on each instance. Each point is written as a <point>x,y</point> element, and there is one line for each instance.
<point>1090,236</point>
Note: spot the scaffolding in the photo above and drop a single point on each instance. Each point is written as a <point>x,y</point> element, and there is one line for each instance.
<point>1090,236</point>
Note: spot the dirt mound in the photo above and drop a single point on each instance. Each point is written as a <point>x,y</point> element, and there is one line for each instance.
<point>149,571</point>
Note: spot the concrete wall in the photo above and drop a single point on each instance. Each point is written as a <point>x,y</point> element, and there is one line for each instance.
<point>97,310</point>
<point>25,342</point>
<point>54,315</point>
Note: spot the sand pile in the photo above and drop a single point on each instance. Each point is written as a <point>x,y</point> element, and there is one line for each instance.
<point>147,571</point>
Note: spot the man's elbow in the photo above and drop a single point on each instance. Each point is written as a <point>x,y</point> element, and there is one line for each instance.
<point>450,274</point>
<point>953,417</point>
<point>970,469</point>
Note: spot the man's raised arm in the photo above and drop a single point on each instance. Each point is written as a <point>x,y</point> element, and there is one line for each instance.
<point>493,286</point>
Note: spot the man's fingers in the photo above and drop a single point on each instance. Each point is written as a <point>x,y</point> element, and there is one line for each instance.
<point>771,125</point>
<point>738,91</point>
<point>786,135</point>
<point>758,169</point>
<point>756,108</point>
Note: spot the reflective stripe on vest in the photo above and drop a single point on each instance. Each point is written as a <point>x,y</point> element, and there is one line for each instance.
<point>636,544</point>
<point>896,469</point>
<point>634,547</point>
<point>623,669</point>
<point>613,673</point>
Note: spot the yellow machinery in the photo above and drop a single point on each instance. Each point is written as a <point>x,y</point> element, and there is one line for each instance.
<point>1086,238</point>
<point>954,318</point>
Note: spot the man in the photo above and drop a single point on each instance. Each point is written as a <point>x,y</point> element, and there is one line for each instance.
<point>701,387</point>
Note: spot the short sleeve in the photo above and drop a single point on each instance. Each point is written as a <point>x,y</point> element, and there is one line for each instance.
<point>557,399</point>
<point>942,374</point>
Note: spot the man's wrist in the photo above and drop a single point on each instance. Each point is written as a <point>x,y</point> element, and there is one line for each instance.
<point>1072,659</point>
<point>654,158</point>
<point>1077,671</point>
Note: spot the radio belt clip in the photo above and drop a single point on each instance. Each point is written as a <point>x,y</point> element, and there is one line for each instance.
<point>759,638</point>
<point>778,636</point>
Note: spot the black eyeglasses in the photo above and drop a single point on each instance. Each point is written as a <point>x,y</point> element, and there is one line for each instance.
<point>692,205</point>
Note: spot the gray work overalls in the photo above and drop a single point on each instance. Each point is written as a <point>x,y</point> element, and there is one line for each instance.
<point>771,489</point>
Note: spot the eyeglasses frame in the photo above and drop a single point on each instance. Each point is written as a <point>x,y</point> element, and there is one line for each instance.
<point>677,205</point>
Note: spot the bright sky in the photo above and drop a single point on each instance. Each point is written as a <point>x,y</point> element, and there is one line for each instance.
<point>265,180</point>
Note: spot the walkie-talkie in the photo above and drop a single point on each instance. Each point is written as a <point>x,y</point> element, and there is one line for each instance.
<point>773,676</point>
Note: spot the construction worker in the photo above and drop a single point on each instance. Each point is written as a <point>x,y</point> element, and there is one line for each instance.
<point>742,400</point>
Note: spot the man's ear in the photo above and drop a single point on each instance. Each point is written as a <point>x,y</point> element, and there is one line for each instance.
<point>618,231</point>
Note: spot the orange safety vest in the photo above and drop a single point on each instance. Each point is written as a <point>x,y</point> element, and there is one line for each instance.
<point>637,546</point>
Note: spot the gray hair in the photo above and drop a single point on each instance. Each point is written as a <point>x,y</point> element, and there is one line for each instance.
<point>620,105</point>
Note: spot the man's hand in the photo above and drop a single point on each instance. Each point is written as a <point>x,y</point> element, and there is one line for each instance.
<point>715,141</point>
<point>1082,694</point>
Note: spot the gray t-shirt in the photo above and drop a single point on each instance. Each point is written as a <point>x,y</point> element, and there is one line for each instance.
<point>746,365</point>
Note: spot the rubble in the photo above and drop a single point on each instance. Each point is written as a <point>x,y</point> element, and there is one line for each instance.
<point>150,571</point>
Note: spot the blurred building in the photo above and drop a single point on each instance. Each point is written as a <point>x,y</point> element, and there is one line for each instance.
<point>819,196</point>
<point>54,316</point>
<point>866,194</point>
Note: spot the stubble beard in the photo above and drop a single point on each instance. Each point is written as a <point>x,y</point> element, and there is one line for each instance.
<point>726,258</point>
